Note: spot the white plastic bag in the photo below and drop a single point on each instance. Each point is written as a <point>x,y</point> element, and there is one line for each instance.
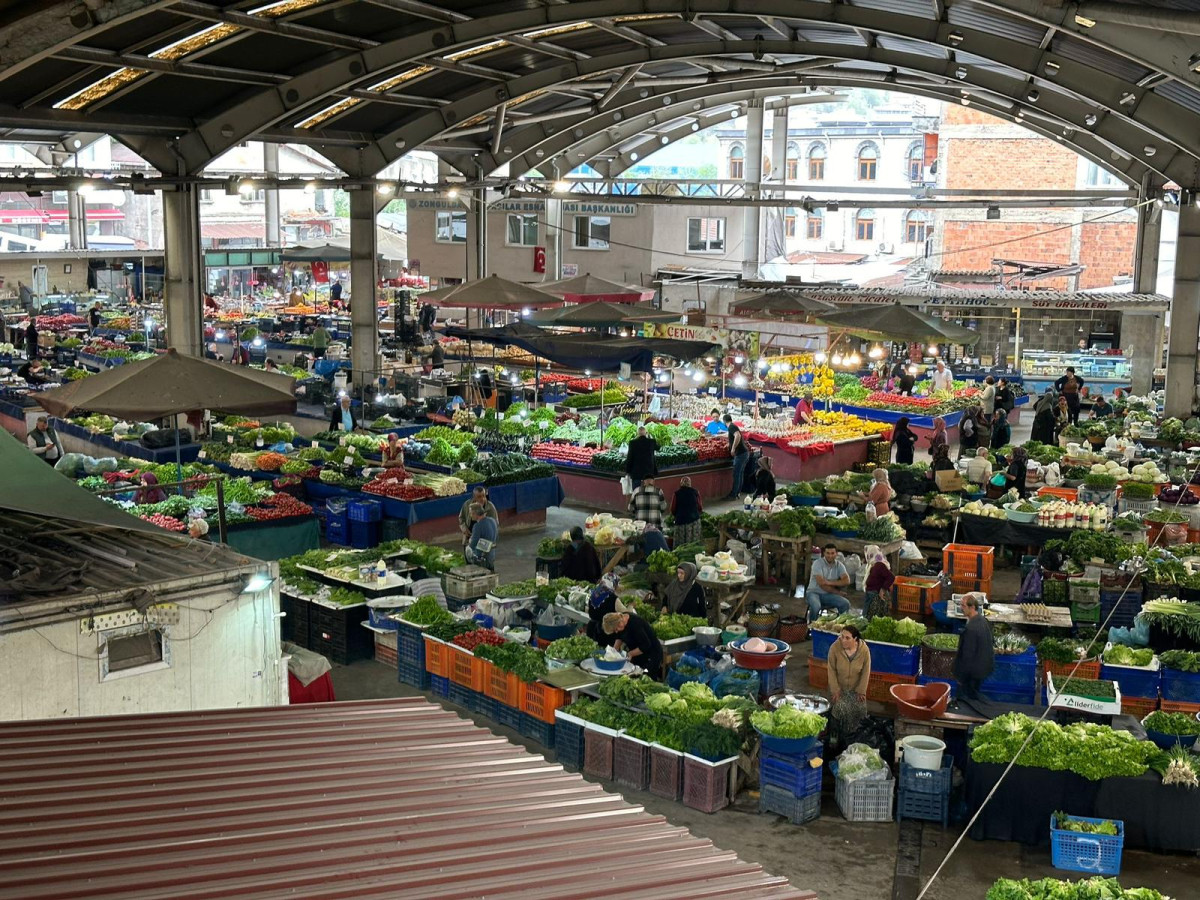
<point>908,550</point>
<point>1052,475</point>
<point>626,485</point>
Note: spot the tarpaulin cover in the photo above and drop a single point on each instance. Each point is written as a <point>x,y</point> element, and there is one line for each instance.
<point>605,353</point>
<point>600,314</point>
<point>778,304</point>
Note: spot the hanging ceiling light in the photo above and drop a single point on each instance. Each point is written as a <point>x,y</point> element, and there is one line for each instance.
<point>819,357</point>
<point>933,349</point>
<point>837,359</point>
<point>876,352</point>
<point>739,380</point>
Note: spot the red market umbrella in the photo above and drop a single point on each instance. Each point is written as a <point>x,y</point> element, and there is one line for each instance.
<point>587,288</point>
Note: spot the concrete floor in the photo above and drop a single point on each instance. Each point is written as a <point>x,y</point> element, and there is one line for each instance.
<point>839,860</point>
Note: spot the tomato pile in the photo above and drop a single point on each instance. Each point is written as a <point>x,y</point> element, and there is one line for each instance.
<point>279,506</point>
<point>584,385</point>
<point>397,490</point>
<point>710,448</point>
<point>887,400</point>
<point>469,640</point>
<point>871,382</point>
<point>567,453</point>
<point>58,323</point>
<point>167,522</point>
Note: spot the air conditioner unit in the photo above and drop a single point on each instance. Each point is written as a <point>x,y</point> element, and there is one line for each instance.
<point>885,247</point>
<point>835,246</point>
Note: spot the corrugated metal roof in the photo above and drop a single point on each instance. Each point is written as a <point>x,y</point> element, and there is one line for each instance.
<point>384,798</point>
<point>944,295</point>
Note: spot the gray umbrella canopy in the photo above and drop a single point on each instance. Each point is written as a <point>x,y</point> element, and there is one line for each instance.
<point>388,245</point>
<point>492,292</point>
<point>897,323</point>
<point>778,304</point>
<point>601,314</point>
<point>173,383</point>
<point>587,288</point>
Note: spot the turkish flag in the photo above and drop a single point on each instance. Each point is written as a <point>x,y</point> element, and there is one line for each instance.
<point>539,259</point>
<point>320,272</point>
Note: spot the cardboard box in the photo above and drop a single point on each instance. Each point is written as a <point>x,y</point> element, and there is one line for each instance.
<point>948,480</point>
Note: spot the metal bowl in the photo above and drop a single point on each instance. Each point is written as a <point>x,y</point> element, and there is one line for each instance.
<point>814,703</point>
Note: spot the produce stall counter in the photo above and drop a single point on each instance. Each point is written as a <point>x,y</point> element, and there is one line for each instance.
<point>1157,817</point>
<point>816,460</point>
<point>273,538</point>
<point>596,490</point>
<point>77,439</point>
<point>986,530</point>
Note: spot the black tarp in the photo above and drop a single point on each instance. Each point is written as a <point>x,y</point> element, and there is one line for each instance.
<point>595,352</point>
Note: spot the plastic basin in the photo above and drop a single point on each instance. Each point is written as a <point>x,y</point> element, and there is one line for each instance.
<point>760,661</point>
<point>608,665</point>
<point>788,746</point>
<point>922,701</point>
<point>706,635</point>
<point>922,751</point>
<point>1167,741</point>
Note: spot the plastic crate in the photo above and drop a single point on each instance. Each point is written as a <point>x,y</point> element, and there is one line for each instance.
<point>822,642</point>
<point>465,668</point>
<point>893,659</point>
<point>968,584</point>
<point>1085,613</point>
<point>1188,709</point>
<point>412,674</point>
<point>568,741</point>
<point>439,685</point>
<point>337,531</point>
<point>879,687</point>
<point>460,695</point>
<point>1119,608</point>
<point>1087,596</point>
<point>385,648</point>
<point>631,762</point>
<point>1180,687</point>
<point>706,784</point>
<point>410,645</point>
<point>1016,671</point>
<point>794,775</point>
<point>364,509</point>
<point>486,706</point>
<point>542,700</point>
<point>537,730</point>
<point>1134,681</point>
<point>508,716</point>
<point>916,596</point>
<point>598,751</point>
<point>866,799</point>
<point>936,663</point>
<point>502,686</point>
<point>469,588</point>
<point>1138,707</point>
<point>968,560</point>
<point>771,681</point>
<point>1059,493</point>
<point>1006,695</point>
<point>666,772</point>
<point>437,657</point>
<point>927,781</point>
<point>818,673</point>
<point>364,535</point>
<point>1098,854</point>
<point>927,807</point>
<point>1088,669</point>
<point>798,810</point>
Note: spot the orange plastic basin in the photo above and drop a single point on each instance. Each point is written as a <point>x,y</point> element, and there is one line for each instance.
<point>921,701</point>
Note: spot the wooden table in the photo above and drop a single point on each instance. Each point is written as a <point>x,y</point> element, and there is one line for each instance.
<point>611,556</point>
<point>854,545</point>
<point>1010,614</point>
<point>718,592</point>
<point>799,549</point>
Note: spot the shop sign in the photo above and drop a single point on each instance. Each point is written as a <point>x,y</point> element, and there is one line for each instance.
<point>519,206</point>
<point>678,332</point>
<point>570,270</point>
<point>600,209</point>
<point>421,203</point>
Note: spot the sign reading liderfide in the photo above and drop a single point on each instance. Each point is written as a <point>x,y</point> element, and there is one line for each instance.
<point>600,209</point>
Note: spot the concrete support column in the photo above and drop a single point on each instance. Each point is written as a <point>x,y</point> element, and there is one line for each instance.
<point>1149,237</point>
<point>364,329</point>
<point>76,220</point>
<point>1141,338</point>
<point>479,208</point>
<point>184,264</point>
<point>752,175</point>
<point>271,204</point>
<point>556,240</point>
<point>1185,312</point>
<point>779,129</point>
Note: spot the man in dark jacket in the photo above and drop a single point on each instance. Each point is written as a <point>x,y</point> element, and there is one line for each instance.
<point>975,658</point>
<point>639,463</point>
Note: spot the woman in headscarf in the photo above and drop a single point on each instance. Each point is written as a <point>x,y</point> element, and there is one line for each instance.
<point>1018,468</point>
<point>878,589</point>
<point>687,508</point>
<point>580,560</point>
<point>764,480</point>
<point>904,439</point>
<point>1001,430</point>
<point>941,459</point>
<point>683,595</point>
<point>938,438</point>
<point>150,491</point>
<point>881,492</point>
<point>1042,430</point>
<point>601,602</point>
<point>968,435</point>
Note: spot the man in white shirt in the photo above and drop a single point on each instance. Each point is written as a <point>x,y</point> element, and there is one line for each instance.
<point>942,377</point>
<point>979,470</point>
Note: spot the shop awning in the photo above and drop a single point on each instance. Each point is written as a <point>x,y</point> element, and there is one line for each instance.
<point>233,231</point>
<point>492,292</point>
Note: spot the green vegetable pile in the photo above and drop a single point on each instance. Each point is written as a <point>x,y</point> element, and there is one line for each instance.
<point>1139,490</point>
<point>1098,482</point>
<point>573,648</point>
<point>1063,822</point>
<point>662,561</point>
<point>1093,688</point>
<point>1120,655</point>
<point>1181,661</point>
<point>1171,723</point>
<point>522,660</point>
<point>549,548</point>
<point>346,597</point>
<point>626,690</point>
<point>1174,616</point>
<point>945,642</point>
<point>426,611</point>
<point>795,521</point>
<point>1086,545</point>
<point>788,722</point>
<point>611,397</point>
<point>1052,889</point>
<point>673,625</point>
<point>1091,751</point>
<point>1060,650</point>
<point>892,631</point>
<point>883,530</point>
<point>448,631</point>
<point>1010,644</point>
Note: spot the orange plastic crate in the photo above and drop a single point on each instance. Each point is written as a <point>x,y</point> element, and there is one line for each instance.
<point>968,560</point>
<point>1138,706</point>
<point>961,584</point>
<point>1179,706</point>
<point>437,658</point>
<point>1089,669</point>
<point>503,687</point>
<point>465,668</point>
<point>1059,493</point>
<point>818,673</point>
<point>878,687</point>
<point>541,700</point>
<point>916,596</point>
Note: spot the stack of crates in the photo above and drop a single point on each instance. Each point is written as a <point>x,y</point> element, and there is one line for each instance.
<point>1121,597</point>
<point>791,785</point>
<point>1085,601</point>
<point>925,793</point>
<point>410,656</point>
<point>337,522</point>
<point>364,516</point>
<point>969,567</point>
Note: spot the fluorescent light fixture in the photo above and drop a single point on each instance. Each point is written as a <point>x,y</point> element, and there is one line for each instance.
<point>819,357</point>
<point>561,187</point>
<point>452,193</point>
<point>739,380</point>
<point>385,189</point>
<point>245,186</point>
<point>259,581</point>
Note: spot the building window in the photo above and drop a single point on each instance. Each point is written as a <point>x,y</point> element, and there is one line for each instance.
<point>706,235</point>
<point>1098,177</point>
<point>916,162</point>
<point>451,227</point>
<point>522,230</point>
<point>816,225</point>
<point>592,232</point>
<point>868,162</point>
<point>816,162</point>
<point>737,162</point>
<point>258,196</point>
<point>789,222</point>
<point>864,225</point>
<point>917,227</point>
<point>792,166</point>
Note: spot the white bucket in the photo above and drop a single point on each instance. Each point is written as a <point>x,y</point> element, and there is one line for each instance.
<point>923,752</point>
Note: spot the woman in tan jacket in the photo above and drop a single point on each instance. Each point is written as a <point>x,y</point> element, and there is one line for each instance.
<point>849,665</point>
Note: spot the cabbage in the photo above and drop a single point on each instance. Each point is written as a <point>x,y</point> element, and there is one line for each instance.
<point>659,702</point>
<point>678,707</point>
<point>788,722</point>
<point>694,690</point>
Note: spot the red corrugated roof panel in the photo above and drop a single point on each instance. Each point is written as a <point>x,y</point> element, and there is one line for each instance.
<point>386,798</point>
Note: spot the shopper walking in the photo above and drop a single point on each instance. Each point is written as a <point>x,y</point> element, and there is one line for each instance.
<point>987,399</point>
<point>939,437</point>
<point>320,341</point>
<point>31,339</point>
<point>764,480</point>
<point>481,549</point>
<point>1001,431</point>
<point>648,504</point>
<point>968,434</point>
<point>479,497</point>
<point>1006,398</point>
<point>639,457</point>
<point>903,439</point>
<point>740,452</point>
<point>687,508</point>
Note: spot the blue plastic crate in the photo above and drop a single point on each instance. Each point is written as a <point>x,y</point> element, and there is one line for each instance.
<point>894,660</point>
<point>1180,686</point>
<point>486,706</point>
<point>537,730</point>
<point>410,645</point>
<point>930,679</point>
<point>799,778</point>
<point>568,743</point>
<point>417,676</point>
<point>1133,682</point>
<point>439,686</point>
<point>942,617</point>
<point>463,696</point>
<point>771,681</point>
<point>822,641</point>
<point>927,807</point>
<point>1118,611</point>
<point>928,781</point>
<point>364,535</point>
<point>336,531</point>
<point>365,509</point>
<point>508,716</point>
<point>1099,854</point>
<point>798,810</point>
<point>1014,672</point>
